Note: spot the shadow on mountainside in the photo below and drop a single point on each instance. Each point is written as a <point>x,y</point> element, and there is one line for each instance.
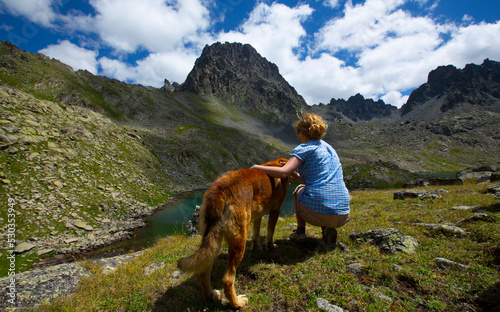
<point>187,295</point>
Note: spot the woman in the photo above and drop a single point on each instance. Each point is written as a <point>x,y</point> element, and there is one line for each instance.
<point>323,199</point>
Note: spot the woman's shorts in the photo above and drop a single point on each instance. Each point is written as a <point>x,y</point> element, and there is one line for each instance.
<point>315,218</point>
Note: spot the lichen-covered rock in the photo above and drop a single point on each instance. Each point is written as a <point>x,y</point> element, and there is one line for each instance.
<point>194,220</point>
<point>388,240</point>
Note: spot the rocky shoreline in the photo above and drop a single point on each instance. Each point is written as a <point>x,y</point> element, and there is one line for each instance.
<point>67,249</point>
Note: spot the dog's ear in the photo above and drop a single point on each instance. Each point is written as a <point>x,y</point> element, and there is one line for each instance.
<point>281,161</point>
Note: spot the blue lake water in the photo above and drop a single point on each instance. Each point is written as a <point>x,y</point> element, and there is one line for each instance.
<point>173,218</point>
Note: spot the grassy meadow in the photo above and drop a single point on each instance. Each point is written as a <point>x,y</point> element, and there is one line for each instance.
<point>293,276</point>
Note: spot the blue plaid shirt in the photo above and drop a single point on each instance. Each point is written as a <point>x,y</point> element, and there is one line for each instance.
<point>321,171</point>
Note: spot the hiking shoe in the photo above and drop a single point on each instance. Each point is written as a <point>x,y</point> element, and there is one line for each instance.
<point>329,236</point>
<point>297,237</point>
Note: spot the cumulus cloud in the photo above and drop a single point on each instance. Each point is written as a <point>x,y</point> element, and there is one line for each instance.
<point>37,11</point>
<point>331,3</point>
<point>274,31</point>
<point>152,70</point>
<point>154,25</point>
<point>73,55</point>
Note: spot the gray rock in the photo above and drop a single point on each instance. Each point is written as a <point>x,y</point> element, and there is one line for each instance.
<point>194,220</point>
<point>45,251</point>
<point>479,217</point>
<point>446,264</point>
<point>23,247</point>
<point>495,176</point>
<point>476,172</point>
<point>324,305</point>
<point>418,194</point>
<point>494,188</point>
<point>446,229</point>
<point>83,225</point>
<point>388,240</point>
<point>463,208</point>
<point>356,268</point>
<point>397,268</point>
<point>485,177</point>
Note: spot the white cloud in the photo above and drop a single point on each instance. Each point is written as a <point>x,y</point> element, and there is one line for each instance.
<point>331,3</point>
<point>470,44</point>
<point>72,55</point>
<point>393,51</point>
<point>322,78</point>
<point>152,70</point>
<point>155,25</point>
<point>37,11</point>
<point>395,98</point>
<point>274,31</point>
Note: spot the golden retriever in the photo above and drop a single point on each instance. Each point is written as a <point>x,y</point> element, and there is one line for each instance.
<point>233,200</point>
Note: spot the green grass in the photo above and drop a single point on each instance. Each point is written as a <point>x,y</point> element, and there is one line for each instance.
<point>292,277</point>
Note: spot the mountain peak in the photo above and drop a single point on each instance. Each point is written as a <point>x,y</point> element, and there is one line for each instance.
<point>238,75</point>
<point>449,88</point>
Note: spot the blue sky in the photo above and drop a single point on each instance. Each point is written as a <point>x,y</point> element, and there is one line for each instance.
<point>326,49</point>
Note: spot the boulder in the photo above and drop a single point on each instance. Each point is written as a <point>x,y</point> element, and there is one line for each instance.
<point>495,176</point>
<point>477,172</point>
<point>356,268</point>
<point>418,194</point>
<point>194,220</point>
<point>388,240</point>
<point>479,217</point>
<point>485,177</point>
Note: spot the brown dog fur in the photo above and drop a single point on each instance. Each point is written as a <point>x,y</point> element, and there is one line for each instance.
<point>229,204</point>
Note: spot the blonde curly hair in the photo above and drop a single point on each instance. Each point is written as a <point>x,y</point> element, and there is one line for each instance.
<point>312,126</point>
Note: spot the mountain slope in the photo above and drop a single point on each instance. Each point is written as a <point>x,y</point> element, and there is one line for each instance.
<point>451,90</point>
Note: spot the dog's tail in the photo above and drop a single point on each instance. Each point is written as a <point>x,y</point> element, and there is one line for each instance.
<point>204,257</point>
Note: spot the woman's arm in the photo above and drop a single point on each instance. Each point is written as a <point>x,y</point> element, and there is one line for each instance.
<point>281,172</point>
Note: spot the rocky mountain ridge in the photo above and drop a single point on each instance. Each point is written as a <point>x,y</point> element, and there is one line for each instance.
<point>357,109</point>
<point>448,89</point>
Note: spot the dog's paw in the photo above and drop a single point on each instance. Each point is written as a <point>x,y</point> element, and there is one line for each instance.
<point>216,295</point>
<point>241,301</point>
